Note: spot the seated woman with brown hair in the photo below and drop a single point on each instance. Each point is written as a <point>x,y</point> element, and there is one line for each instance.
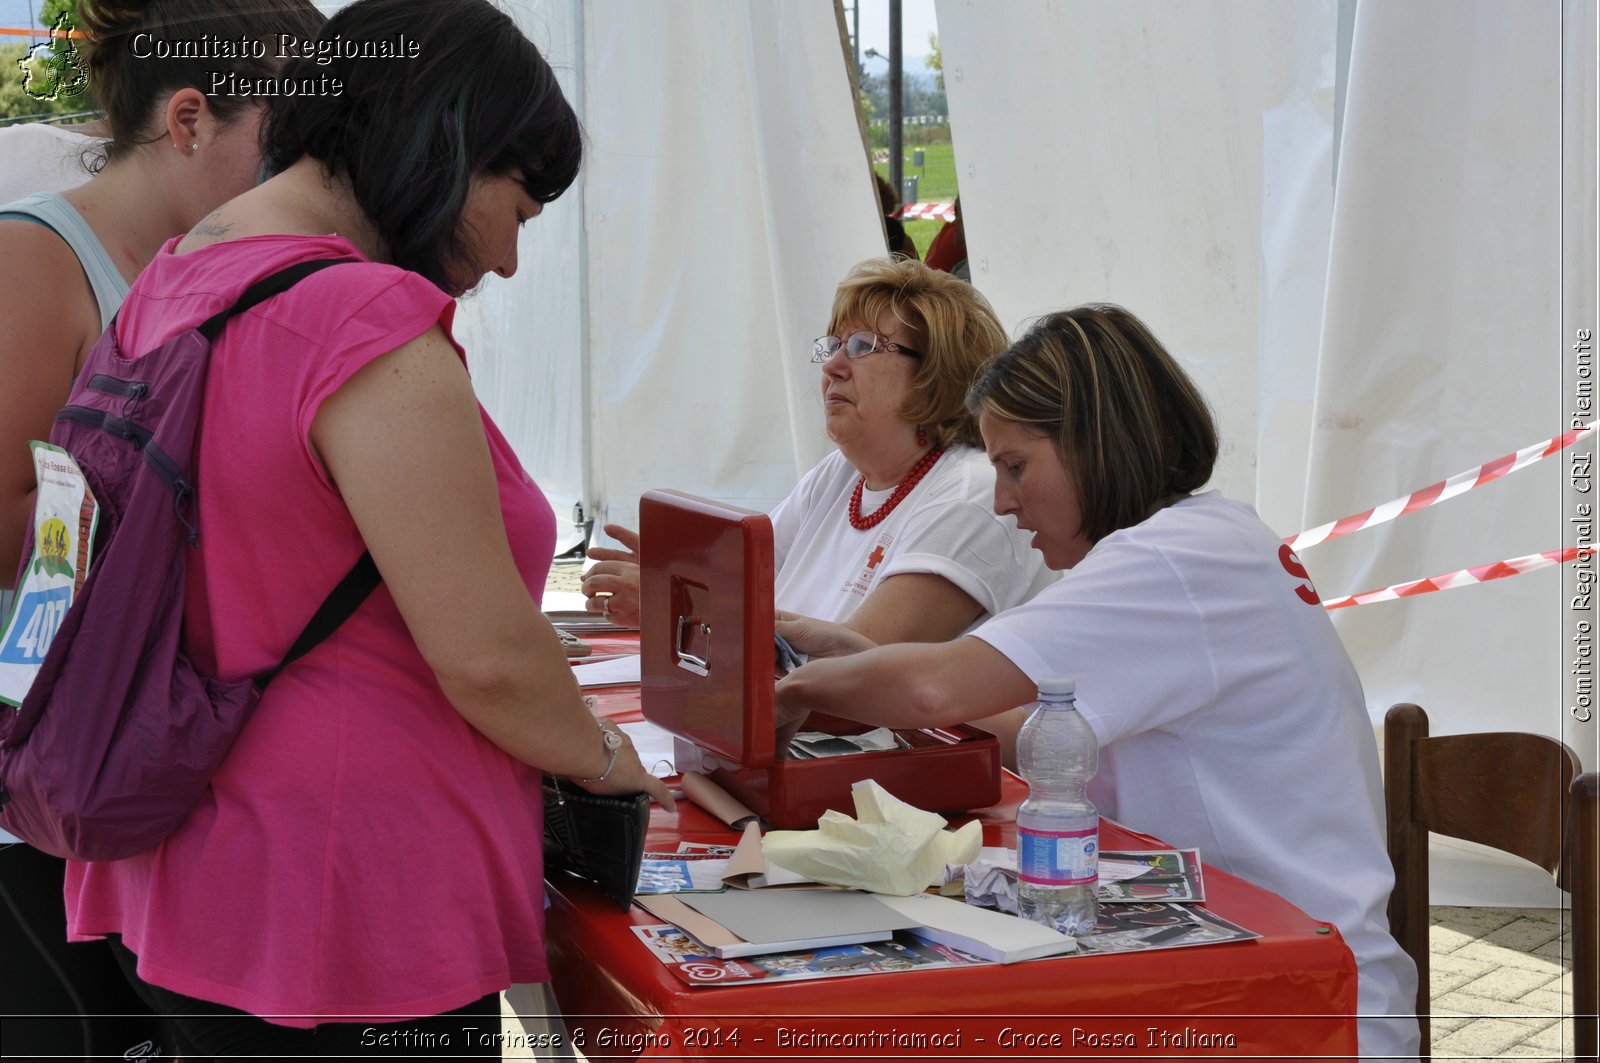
<point>1229,716</point>
<point>892,533</point>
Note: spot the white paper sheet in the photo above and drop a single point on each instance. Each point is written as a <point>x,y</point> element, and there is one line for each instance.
<point>619,671</point>
<point>654,747</point>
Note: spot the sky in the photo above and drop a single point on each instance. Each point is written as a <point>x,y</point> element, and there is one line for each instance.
<point>20,14</point>
<point>916,22</point>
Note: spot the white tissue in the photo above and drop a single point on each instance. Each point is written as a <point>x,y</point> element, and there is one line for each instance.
<point>890,847</point>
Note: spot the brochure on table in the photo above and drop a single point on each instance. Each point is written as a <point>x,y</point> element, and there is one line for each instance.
<point>699,967</point>
<point>1120,928</point>
<point>738,923</point>
<point>1170,876</point>
<point>702,868</point>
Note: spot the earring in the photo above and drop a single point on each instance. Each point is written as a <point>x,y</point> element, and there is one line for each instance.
<point>922,436</point>
<point>195,146</point>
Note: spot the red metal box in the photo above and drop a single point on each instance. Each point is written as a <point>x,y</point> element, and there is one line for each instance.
<point>707,660</point>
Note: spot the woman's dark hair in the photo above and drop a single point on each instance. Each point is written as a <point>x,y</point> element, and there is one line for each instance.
<point>1127,421</point>
<point>886,197</point>
<point>411,133</point>
<point>140,52</point>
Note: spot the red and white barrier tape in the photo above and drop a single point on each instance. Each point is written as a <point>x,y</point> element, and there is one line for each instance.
<point>1428,496</point>
<point>939,211</point>
<point>1464,577</point>
<point>1434,494</point>
<point>12,31</point>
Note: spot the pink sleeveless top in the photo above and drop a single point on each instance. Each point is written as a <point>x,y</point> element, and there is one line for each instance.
<point>363,852</point>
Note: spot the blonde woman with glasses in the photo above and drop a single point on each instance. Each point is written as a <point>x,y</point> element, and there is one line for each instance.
<point>892,533</point>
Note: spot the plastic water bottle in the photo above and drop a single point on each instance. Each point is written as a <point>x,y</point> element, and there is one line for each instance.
<point>1058,828</point>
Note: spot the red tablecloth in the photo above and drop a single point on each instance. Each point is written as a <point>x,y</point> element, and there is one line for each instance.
<point>1289,994</point>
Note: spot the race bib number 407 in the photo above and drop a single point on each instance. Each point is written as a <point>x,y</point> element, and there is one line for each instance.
<point>64,517</point>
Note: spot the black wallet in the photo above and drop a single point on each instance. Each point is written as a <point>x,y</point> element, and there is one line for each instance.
<point>596,836</point>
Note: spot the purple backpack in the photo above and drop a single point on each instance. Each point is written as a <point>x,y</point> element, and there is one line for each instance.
<point>118,736</point>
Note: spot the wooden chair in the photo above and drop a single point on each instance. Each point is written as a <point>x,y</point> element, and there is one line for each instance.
<point>1521,793</point>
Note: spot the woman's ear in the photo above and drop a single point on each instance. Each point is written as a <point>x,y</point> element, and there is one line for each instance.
<point>185,115</point>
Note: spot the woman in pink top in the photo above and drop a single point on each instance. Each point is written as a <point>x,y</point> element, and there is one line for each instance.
<point>365,870</point>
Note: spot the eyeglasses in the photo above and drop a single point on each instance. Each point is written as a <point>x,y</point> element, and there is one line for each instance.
<point>857,345</point>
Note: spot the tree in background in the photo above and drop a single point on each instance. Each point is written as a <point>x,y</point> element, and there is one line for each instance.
<point>54,9</point>
<point>922,94</point>
<point>46,79</point>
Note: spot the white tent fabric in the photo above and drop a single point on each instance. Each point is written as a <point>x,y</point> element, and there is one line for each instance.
<point>1441,349</point>
<point>658,331</point>
<point>1364,327</point>
<point>525,338</point>
<point>1367,228</point>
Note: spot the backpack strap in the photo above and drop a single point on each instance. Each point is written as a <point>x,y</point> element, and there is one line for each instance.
<point>263,289</point>
<point>363,578</point>
<point>339,606</point>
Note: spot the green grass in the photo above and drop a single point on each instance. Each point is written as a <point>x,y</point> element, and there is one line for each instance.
<point>936,183</point>
<point>936,177</point>
<point>922,231</point>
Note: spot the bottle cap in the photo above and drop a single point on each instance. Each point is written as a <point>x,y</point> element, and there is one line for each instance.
<point>1057,686</point>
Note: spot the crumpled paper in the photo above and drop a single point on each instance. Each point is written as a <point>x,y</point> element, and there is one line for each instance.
<point>889,847</point>
<point>989,880</point>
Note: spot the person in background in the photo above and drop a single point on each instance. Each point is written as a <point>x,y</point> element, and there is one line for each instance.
<point>174,152</point>
<point>1229,716</point>
<point>366,868</point>
<point>894,229</point>
<point>41,157</point>
<point>892,532</point>
<point>947,251</point>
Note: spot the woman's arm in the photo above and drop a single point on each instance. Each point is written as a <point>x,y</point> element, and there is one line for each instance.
<point>914,607</point>
<point>50,320</point>
<point>911,607</point>
<point>404,442</point>
<point>912,685</point>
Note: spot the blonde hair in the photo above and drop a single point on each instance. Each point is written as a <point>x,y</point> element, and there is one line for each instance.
<point>947,319</point>
<point>1126,419</point>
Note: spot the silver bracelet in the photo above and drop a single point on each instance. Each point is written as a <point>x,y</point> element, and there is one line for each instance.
<point>613,742</point>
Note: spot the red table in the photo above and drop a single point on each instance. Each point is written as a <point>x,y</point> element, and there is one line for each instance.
<point>1289,994</point>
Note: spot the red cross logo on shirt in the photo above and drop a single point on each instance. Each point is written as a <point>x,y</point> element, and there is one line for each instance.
<point>875,557</point>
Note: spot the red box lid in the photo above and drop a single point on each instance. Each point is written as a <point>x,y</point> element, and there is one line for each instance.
<point>706,631</point>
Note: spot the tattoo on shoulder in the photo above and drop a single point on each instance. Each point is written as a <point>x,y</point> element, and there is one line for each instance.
<point>210,226</point>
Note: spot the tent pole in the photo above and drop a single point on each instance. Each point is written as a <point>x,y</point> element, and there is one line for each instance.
<point>896,105</point>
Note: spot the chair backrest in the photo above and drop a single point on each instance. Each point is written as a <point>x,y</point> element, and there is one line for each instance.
<point>1524,794</point>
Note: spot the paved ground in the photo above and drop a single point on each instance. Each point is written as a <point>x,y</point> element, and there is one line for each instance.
<point>565,576</point>
<point>1497,978</point>
<point>1497,983</point>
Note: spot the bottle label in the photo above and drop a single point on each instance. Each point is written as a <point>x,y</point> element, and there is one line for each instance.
<point>1058,857</point>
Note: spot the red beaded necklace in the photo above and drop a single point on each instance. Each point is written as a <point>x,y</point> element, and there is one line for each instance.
<point>860,523</point>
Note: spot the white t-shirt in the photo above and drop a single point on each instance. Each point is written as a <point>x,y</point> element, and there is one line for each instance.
<point>946,526</point>
<point>40,158</point>
<point>1230,720</point>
